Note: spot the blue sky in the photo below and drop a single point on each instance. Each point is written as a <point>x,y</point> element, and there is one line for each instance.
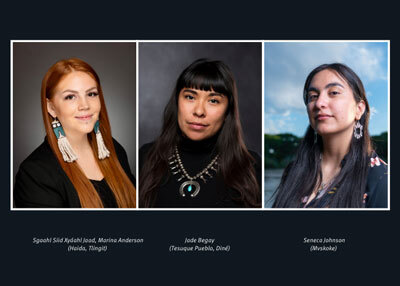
<point>287,65</point>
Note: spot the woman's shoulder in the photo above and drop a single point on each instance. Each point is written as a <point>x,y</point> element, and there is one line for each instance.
<point>257,158</point>
<point>377,192</point>
<point>143,151</point>
<point>42,157</point>
<point>146,148</point>
<point>39,180</point>
<point>255,155</point>
<point>123,160</point>
<point>378,169</point>
<point>257,165</point>
<point>376,163</point>
<point>119,149</point>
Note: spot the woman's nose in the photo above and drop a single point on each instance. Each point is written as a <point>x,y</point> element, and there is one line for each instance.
<point>199,109</point>
<point>322,100</point>
<point>83,103</point>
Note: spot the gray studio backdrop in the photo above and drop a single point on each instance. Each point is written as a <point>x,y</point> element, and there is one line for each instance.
<point>115,63</point>
<point>161,63</point>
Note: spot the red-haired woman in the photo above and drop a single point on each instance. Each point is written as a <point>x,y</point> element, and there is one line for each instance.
<point>78,164</point>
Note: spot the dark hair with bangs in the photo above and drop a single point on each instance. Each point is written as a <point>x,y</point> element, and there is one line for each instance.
<point>301,176</point>
<point>236,163</point>
<point>207,75</point>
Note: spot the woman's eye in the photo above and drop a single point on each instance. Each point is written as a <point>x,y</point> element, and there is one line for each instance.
<point>213,100</point>
<point>312,97</point>
<point>69,97</point>
<point>190,97</point>
<point>92,94</point>
<point>334,92</point>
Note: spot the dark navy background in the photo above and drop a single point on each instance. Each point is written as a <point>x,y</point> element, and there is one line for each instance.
<point>266,246</point>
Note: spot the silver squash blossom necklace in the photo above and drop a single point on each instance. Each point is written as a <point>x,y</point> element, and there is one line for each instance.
<point>191,186</point>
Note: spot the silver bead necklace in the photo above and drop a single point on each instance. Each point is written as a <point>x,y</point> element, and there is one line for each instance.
<point>191,186</point>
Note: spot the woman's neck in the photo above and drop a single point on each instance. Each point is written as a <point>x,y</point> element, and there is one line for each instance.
<point>86,157</point>
<point>336,146</point>
<point>79,143</point>
<point>203,146</point>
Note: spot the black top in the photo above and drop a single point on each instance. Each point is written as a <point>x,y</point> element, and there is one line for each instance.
<point>42,183</point>
<point>376,193</point>
<point>195,156</point>
<point>105,193</point>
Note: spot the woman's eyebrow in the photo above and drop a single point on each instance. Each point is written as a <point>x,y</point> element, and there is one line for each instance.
<point>333,84</point>
<point>190,91</point>
<point>69,90</point>
<point>92,88</point>
<point>216,94</point>
<point>312,88</point>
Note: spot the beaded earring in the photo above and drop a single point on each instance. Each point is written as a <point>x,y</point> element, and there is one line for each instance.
<point>63,144</point>
<point>102,149</point>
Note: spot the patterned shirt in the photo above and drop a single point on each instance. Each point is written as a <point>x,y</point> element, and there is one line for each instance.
<point>376,192</point>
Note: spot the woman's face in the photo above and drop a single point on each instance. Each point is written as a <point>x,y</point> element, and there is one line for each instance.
<point>201,113</point>
<point>76,103</point>
<point>331,106</point>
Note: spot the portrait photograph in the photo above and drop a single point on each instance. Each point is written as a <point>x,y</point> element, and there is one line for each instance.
<point>73,124</point>
<point>200,124</point>
<point>326,124</point>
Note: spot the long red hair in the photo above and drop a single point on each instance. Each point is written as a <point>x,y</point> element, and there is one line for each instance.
<point>115,176</point>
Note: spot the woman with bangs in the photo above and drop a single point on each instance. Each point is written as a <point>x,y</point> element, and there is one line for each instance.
<point>336,165</point>
<point>200,159</point>
<point>79,164</point>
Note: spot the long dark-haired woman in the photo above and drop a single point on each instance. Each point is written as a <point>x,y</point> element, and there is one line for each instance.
<point>336,166</point>
<point>200,159</point>
<point>78,164</point>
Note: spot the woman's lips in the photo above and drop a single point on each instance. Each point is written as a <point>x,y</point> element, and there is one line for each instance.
<point>323,116</point>
<point>197,126</point>
<point>84,117</point>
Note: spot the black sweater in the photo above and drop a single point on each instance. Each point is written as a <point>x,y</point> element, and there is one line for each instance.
<point>195,156</point>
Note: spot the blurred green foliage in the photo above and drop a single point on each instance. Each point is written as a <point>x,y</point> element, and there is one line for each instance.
<point>380,145</point>
<point>280,149</point>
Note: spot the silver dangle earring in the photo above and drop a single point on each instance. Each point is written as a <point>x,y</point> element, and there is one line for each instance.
<point>102,149</point>
<point>358,130</point>
<point>63,144</point>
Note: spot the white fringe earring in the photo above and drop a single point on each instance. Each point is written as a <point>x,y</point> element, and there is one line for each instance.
<point>63,144</point>
<point>103,151</point>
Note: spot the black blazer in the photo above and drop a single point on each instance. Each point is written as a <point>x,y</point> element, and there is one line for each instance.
<point>42,183</point>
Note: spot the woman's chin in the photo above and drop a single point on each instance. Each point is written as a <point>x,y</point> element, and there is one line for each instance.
<point>195,136</point>
<point>85,131</point>
<point>324,133</point>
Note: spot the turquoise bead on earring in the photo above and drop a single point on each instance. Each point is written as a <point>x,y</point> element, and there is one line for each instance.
<point>97,127</point>
<point>63,145</point>
<point>190,188</point>
<point>57,128</point>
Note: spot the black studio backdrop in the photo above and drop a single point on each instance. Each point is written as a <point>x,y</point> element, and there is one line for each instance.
<point>265,246</point>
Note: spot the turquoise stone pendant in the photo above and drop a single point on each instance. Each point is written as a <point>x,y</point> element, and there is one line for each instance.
<point>191,187</point>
